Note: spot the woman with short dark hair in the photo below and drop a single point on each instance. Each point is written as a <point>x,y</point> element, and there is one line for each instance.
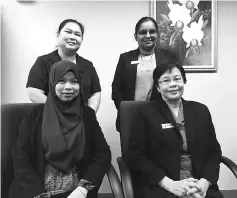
<point>173,150</point>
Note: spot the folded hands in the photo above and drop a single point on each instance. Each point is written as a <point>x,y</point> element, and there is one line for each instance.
<point>186,188</point>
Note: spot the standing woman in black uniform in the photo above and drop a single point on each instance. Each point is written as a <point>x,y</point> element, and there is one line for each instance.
<point>133,74</point>
<point>69,38</point>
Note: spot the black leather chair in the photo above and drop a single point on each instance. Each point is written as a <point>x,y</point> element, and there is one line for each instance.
<point>11,116</point>
<point>127,111</point>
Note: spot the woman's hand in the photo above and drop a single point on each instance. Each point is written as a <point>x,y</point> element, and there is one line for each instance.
<point>200,190</point>
<point>79,192</point>
<point>193,195</point>
<point>179,188</point>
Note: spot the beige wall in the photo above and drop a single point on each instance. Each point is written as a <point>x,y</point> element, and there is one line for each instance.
<point>28,30</point>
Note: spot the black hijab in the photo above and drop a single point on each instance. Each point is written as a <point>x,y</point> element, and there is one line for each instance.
<point>63,132</point>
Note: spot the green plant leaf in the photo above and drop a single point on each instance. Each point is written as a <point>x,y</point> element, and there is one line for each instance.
<point>187,53</point>
<point>205,24</point>
<point>195,14</point>
<point>166,19</point>
<point>173,37</point>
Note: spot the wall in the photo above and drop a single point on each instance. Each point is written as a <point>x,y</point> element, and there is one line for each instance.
<point>29,30</point>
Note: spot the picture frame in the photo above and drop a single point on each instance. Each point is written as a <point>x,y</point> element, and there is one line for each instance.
<point>194,58</point>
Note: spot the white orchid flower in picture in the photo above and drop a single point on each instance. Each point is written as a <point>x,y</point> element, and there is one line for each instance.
<point>179,15</point>
<point>193,33</point>
<point>193,36</point>
<point>188,28</point>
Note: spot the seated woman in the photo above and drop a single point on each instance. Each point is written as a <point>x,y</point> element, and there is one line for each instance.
<point>61,150</point>
<point>173,150</point>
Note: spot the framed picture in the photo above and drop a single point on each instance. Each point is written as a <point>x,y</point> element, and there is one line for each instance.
<point>188,28</point>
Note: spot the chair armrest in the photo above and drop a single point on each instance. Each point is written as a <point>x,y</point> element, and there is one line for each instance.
<point>114,183</point>
<point>230,164</point>
<point>126,178</point>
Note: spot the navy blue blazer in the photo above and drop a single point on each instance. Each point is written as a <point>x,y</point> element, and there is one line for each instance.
<point>154,151</point>
<point>123,85</point>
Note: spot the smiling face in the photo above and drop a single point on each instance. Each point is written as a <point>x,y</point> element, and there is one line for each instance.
<point>147,36</point>
<point>67,87</point>
<point>70,37</point>
<point>171,85</point>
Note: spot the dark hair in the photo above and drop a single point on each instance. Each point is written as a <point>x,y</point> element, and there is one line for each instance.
<point>145,19</point>
<point>71,21</point>
<point>167,67</point>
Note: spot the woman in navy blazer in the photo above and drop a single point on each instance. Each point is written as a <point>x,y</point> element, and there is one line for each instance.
<point>133,75</point>
<point>173,150</point>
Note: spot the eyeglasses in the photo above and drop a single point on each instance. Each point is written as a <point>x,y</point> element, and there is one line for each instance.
<point>152,32</point>
<point>167,81</point>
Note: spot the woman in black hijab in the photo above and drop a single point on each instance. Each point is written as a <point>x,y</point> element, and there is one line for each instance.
<point>61,150</point>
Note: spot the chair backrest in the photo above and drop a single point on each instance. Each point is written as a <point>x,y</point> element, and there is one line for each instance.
<point>127,111</point>
<point>11,116</point>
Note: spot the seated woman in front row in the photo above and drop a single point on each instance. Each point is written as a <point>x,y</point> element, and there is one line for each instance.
<point>173,150</point>
<point>61,151</point>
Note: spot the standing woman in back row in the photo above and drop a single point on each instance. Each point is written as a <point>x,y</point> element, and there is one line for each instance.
<point>69,38</point>
<point>133,76</point>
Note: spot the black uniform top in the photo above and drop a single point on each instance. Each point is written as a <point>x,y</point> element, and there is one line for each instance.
<point>39,74</point>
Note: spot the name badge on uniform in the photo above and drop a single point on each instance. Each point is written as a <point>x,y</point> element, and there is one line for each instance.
<point>167,126</point>
<point>135,62</point>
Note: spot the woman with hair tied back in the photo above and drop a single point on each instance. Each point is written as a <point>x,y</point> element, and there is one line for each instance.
<point>69,38</point>
<point>133,75</point>
<point>61,151</point>
<point>173,150</point>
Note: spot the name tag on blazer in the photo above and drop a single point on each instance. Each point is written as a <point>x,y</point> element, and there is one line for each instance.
<point>167,126</point>
<point>135,62</point>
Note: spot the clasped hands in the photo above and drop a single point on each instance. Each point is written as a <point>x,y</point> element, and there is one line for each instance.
<point>190,188</point>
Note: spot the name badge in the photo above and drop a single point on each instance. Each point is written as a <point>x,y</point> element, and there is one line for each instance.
<point>135,62</point>
<point>167,126</point>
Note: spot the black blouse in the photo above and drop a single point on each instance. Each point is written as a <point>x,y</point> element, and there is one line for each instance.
<point>39,74</point>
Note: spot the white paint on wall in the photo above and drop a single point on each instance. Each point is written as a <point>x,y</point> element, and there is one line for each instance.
<point>29,30</point>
